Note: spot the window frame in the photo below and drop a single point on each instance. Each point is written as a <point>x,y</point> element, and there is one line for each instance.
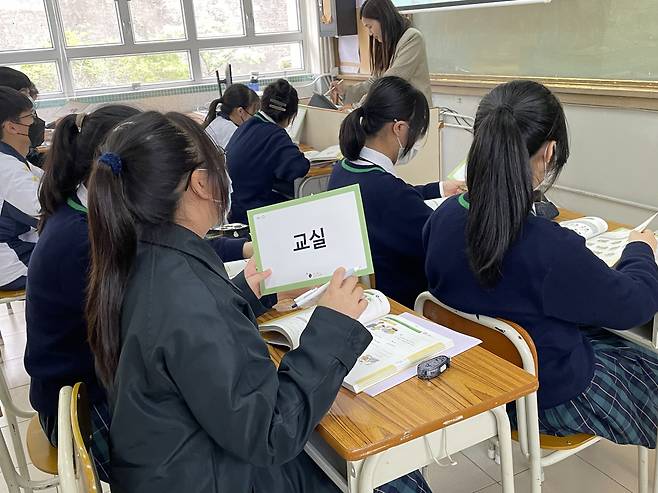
<point>62,55</point>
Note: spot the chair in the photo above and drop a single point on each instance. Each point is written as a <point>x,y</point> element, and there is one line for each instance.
<point>512,343</point>
<point>42,454</point>
<point>65,458</point>
<point>85,470</point>
<point>18,476</point>
<point>8,297</point>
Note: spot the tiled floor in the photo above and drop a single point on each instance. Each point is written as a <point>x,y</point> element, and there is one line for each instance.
<point>603,468</point>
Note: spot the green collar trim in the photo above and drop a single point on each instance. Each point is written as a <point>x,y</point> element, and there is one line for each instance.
<point>346,166</point>
<point>464,202</point>
<point>74,205</point>
<point>263,119</point>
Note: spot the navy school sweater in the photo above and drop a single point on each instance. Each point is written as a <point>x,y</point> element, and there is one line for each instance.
<point>261,157</point>
<point>57,352</point>
<point>551,285</point>
<point>395,214</point>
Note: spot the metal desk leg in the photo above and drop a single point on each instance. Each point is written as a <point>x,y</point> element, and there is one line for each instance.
<point>366,476</point>
<point>534,449</point>
<point>505,443</point>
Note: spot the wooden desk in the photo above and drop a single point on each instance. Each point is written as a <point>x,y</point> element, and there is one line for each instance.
<point>408,426</point>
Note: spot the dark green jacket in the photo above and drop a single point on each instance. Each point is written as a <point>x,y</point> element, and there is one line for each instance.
<point>198,406</point>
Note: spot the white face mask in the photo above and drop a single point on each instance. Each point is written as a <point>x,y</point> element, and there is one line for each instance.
<point>405,159</point>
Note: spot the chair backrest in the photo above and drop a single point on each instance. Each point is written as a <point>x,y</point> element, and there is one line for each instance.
<point>507,339</point>
<point>65,458</point>
<point>86,474</point>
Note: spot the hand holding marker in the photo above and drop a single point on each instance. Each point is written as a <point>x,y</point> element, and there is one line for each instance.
<point>312,295</point>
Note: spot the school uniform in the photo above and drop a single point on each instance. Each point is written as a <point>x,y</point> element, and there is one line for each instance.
<point>395,214</point>
<point>57,352</point>
<point>19,208</point>
<point>590,381</point>
<point>409,62</point>
<point>263,163</point>
<point>221,129</point>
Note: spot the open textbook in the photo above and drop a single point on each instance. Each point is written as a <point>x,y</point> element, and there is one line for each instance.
<point>331,153</point>
<point>607,245</point>
<point>397,345</point>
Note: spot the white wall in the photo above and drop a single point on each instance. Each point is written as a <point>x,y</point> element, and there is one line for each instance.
<point>614,153</point>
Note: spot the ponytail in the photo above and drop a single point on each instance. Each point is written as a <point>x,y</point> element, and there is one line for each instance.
<point>212,112</point>
<point>236,96</point>
<point>136,183</point>
<point>498,173</point>
<point>352,136</point>
<point>113,240</point>
<point>512,124</point>
<point>389,99</point>
<point>69,159</point>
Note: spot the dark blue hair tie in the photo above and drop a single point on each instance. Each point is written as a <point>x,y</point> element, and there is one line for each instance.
<point>113,161</point>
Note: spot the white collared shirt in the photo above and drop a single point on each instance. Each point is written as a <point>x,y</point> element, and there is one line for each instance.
<point>370,156</point>
<point>83,195</point>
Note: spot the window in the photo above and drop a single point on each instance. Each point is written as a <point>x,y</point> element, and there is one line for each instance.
<point>24,26</point>
<point>245,59</point>
<point>111,45</point>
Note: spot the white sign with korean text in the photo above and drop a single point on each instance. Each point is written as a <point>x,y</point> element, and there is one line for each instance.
<point>304,241</point>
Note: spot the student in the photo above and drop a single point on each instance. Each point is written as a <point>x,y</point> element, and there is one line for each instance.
<point>18,80</point>
<point>22,83</point>
<point>237,105</point>
<point>19,184</point>
<point>488,254</point>
<point>191,382</point>
<point>396,48</point>
<point>57,352</point>
<point>375,138</point>
<point>262,159</point>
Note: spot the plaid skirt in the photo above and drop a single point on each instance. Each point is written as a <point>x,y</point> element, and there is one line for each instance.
<point>620,404</point>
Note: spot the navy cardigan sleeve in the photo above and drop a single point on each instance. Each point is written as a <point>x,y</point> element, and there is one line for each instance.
<point>429,191</point>
<point>291,163</point>
<point>581,288</point>
<point>228,249</point>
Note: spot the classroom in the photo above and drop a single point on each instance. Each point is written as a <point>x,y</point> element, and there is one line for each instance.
<point>323,246</point>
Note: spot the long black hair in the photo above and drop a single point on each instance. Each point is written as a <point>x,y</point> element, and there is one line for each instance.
<point>69,159</point>
<point>512,123</point>
<point>280,101</point>
<point>393,26</point>
<point>389,99</point>
<point>151,158</point>
<point>236,96</point>
<point>12,104</point>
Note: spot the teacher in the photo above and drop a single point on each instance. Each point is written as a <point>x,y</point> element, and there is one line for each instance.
<point>396,49</point>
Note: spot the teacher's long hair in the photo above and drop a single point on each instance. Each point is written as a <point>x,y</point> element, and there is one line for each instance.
<point>393,26</point>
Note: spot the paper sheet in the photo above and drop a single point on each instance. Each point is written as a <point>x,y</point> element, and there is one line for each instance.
<point>461,342</point>
<point>348,53</point>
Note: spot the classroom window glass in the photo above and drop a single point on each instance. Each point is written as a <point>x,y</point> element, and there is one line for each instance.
<point>44,75</point>
<point>275,16</point>
<point>218,18</point>
<point>92,73</point>
<point>245,59</point>
<point>24,26</point>
<point>90,22</point>
<point>157,21</point>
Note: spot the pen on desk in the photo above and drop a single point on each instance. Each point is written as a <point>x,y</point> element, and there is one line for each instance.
<point>309,296</point>
<point>331,88</point>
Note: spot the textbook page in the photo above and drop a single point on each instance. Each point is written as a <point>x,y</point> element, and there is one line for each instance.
<point>435,203</point>
<point>587,227</point>
<point>305,240</point>
<point>331,153</point>
<point>287,331</point>
<point>397,345</point>
<point>610,246</point>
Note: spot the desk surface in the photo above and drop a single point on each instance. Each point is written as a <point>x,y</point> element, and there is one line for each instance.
<point>357,426</point>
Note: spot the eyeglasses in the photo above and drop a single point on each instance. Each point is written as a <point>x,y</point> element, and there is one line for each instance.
<point>33,114</point>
